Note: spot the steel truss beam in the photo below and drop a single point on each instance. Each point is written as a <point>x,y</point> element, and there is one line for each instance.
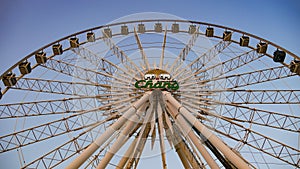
<point>48,130</point>
<point>97,61</point>
<point>47,107</point>
<point>258,141</point>
<point>254,77</point>
<point>250,115</point>
<point>67,149</point>
<point>262,96</point>
<point>87,75</point>
<point>233,63</point>
<point>58,87</point>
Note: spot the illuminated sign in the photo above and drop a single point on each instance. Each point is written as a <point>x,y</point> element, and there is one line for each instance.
<point>157,79</point>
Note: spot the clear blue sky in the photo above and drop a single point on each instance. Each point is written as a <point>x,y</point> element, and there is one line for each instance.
<point>27,25</point>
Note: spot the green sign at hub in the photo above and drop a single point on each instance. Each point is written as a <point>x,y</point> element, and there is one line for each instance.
<point>173,85</point>
<point>157,79</point>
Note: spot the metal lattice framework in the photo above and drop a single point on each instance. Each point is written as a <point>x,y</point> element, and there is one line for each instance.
<point>71,104</point>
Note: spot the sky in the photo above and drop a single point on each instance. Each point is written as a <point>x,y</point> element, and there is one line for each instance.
<point>27,25</point>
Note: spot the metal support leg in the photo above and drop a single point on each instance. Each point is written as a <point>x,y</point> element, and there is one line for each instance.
<point>186,129</point>
<point>184,113</point>
<point>108,133</point>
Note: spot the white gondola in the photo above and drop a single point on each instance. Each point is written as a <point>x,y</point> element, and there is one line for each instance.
<point>149,76</point>
<point>165,76</point>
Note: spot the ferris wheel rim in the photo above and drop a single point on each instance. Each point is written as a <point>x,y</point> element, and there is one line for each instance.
<point>148,20</point>
<point>138,21</point>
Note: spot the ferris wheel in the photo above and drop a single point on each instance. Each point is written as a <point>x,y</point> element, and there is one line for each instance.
<point>201,94</point>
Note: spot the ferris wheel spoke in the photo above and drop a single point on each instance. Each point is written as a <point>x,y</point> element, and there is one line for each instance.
<point>121,55</point>
<point>283,121</point>
<point>100,62</point>
<point>196,103</point>
<point>161,61</point>
<point>114,101</point>
<point>93,59</point>
<point>144,56</point>
<point>200,84</point>
<point>67,149</point>
<point>205,58</point>
<point>46,107</point>
<point>89,73</point>
<point>121,84</point>
<point>261,142</point>
<point>92,76</point>
<point>45,131</point>
<point>184,51</point>
<point>255,77</point>
<point>196,97</point>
